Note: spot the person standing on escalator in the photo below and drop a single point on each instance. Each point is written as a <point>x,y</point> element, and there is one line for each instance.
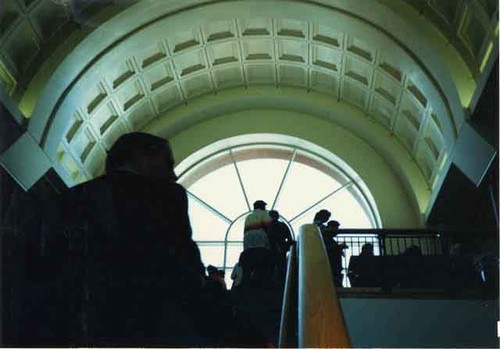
<point>320,219</point>
<point>117,246</point>
<point>335,251</point>
<point>280,239</point>
<point>256,226</point>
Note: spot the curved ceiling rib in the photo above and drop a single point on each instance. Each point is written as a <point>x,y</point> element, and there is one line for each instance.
<point>154,70</point>
<point>150,60</point>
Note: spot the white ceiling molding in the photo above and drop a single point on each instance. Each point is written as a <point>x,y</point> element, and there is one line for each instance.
<point>393,17</point>
<point>402,64</point>
<point>371,164</point>
<point>194,61</point>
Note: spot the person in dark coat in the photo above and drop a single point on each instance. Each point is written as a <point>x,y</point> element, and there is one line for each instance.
<point>258,300</point>
<point>320,219</point>
<point>279,234</point>
<point>335,251</point>
<point>122,268</point>
<point>280,239</point>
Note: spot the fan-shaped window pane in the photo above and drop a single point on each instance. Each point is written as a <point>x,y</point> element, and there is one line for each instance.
<point>303,187</point>
<point>212,253</point>
<point>206,225</point>
<point>218,207</point>
<point>222,190</point>
<point>347,210</point>
<point>262,178</point>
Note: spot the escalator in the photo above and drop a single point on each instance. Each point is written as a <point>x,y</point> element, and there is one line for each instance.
<point>305,311</point>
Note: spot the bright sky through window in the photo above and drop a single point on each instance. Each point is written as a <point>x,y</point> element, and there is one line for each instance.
<point>220,199</point>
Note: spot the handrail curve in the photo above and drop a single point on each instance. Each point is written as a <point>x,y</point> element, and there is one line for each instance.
<point>321,322</point>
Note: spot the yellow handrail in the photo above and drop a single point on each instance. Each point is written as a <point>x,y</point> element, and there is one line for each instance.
<point>321,322</point>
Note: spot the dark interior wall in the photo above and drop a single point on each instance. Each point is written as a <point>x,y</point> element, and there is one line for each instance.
<point>461,205</point>
<point>19,208</point>
<point>485,117</point>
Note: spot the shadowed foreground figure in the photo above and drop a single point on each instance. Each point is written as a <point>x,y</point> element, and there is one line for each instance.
<point>118,262</point>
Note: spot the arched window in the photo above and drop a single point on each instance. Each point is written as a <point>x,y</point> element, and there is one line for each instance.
<point>291,177</point>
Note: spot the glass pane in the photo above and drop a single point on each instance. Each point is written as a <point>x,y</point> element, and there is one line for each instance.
<point>305,219</point>
<point>303,187</point>
<point>205,224</point>
<point>236,230</point>
<point>233,254</point>
<point>221,189</point>
<point>363,203</point>
<point>212,254</point>
<point>346,209</point>
<point>262,178</point>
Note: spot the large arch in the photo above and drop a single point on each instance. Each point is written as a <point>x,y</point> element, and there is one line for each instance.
<point>380,160</point>
<point>396,75</point>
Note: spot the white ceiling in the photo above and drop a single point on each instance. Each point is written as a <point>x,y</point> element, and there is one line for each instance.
<point>153,65</point>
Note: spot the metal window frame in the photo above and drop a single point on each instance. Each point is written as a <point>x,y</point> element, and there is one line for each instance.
<point>359,194</point>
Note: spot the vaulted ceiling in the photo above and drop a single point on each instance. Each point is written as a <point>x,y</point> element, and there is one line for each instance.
<point>85,72</point>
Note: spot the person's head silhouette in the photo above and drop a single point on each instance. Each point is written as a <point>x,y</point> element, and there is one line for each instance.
<point>142,154</point>
<point>322,216</point>
<point>367,249</point>
<point>333,225</point>
<point>274,215</point>
<point>259,205</point>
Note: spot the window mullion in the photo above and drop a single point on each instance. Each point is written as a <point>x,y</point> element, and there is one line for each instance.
<point>209,207</point>
<point>240,180</point>
<point>345,185</point>
<point>292,158</point>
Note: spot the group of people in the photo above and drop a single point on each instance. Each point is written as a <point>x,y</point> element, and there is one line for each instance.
<point>266,241</point>
<point>113,262</point>
<point>329,230</point>
<point>265,235</point>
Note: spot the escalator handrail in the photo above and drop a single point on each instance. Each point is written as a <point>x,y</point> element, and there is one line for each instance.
<point>320,321</point>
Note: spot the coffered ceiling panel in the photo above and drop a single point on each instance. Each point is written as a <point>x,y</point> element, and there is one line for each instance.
<point>469,25</point>
<point>167,60</point>
<point>129,90</point>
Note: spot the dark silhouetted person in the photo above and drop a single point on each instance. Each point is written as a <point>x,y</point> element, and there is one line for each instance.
<point>124,268</point>
<point>363,269</point>
<point>367,249</point>
<point>217,277</point>
<point>257,300</point>
<point>236,275</point>
<point>335,251</point>
<point>412,274</point>
<point>413,251</point>
<point>280,239</point>
<point>320,219</point>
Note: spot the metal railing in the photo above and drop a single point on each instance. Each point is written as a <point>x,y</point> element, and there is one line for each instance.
<point>421,259</point>
<point>388,242</point>
<point>389,247</point>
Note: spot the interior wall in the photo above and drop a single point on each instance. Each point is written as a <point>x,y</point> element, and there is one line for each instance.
<point>421,323</point>
<point>462,206</point>
<point>396,206</point>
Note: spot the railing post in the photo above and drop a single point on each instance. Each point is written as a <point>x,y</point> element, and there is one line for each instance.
<point>381,244</point>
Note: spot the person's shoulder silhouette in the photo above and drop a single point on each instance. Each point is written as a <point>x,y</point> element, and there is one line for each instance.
<point>126,240</point>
